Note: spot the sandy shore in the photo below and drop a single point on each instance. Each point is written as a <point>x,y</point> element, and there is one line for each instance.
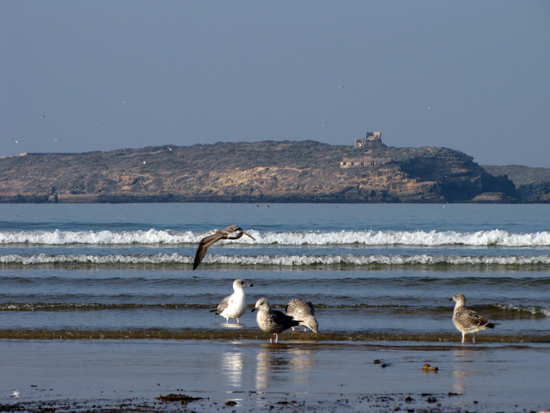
<point>239,376</point>
<point>259,402</point>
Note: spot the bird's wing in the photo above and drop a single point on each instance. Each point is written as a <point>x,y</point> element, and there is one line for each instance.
<point>223,305</point>
<point>283,319</point>
<point>311,308</point>
<point>473,318</point>
<point>204,245</point>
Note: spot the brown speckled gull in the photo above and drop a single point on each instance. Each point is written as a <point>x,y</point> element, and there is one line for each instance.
<point>272,321</point>
<point>468,321</point>
<point>303,310</point>
<point>231,232</point>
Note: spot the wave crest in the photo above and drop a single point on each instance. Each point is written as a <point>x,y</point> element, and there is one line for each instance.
<point>369,238</point>
<point>281,261</point>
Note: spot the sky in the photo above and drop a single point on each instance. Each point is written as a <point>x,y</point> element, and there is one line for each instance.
<point>97,75</point>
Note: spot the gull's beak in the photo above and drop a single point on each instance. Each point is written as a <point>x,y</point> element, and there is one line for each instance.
<point>450,299</point>
<point>249,236</point>
<point>254,309</point>
<point>249,285</point>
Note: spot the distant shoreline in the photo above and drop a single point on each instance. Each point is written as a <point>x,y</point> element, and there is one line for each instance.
<point>268,172</point>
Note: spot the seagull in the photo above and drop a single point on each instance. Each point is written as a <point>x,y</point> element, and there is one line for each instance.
<point>57,140</point>
<point>341,86</point>
<point>468,321</point>
<point>234,305</point>
<point>43,116</point>
<point>299,309</point>
<point>16,141</point>
<point>272,321</point>
<point>231,232</point>
<point>15,394</point>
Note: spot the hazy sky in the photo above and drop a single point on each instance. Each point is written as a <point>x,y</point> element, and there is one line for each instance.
<point>101,75</point>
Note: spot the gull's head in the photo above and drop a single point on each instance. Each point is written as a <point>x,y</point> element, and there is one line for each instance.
<point>241,283</point>
<point>311,322</point>
<point>261,304</point>
<point>459,299</point>
<point>235,228</point>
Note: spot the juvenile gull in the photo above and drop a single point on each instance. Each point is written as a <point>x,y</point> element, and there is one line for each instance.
<point>234,305</point>
<point>468,321</point>
<point>303,310</point>
<point>231,232</point>
<point>272,321</point>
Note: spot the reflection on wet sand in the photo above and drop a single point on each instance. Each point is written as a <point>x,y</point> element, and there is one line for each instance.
<point>279,363</point>
<point>302,363</point>
<point>232,367</point>
<point>460,377</point>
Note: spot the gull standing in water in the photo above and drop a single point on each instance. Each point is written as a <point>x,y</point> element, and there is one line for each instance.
<point>468,321</point>
<point>234,305</point>
<point>272,321</point>
<point>231,232</point>
<point>303,310</point>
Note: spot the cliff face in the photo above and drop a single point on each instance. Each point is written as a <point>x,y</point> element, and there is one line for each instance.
<point>302,171</point>
<point>532,184</point>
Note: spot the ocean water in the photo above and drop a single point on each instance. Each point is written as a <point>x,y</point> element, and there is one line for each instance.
<point>374,272</point>
<point>99,305</point>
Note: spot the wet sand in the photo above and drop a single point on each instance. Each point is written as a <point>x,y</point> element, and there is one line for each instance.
<point>130,375</point>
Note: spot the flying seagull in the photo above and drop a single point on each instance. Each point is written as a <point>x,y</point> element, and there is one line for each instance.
<point>231,232</point>
<point>468,321</point>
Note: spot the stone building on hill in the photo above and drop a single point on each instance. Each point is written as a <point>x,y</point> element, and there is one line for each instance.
<point>371,139</point>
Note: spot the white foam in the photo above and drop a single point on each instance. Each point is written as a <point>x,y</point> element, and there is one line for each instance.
<point>524,308</point>
<point>368,238</point>
<point>281,261</point>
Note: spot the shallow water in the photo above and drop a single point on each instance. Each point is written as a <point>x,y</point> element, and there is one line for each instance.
<point>380,277</point>
<point>486,377</point>
<point>374,269</point>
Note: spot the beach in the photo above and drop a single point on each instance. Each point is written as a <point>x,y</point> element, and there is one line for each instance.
<point>289,376</point>
<point>100,309</point>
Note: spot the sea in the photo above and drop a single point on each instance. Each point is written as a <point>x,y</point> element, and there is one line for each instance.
<point>377,274</point>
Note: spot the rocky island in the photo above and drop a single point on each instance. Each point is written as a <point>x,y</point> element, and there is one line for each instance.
<point>267,171</point>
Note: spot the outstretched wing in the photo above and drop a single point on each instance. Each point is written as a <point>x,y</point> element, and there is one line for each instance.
<point>204,245</point>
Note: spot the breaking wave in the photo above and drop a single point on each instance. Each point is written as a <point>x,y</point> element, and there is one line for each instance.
<point>280,261</point>
<point>534,310</point>
<point>370,238</point>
